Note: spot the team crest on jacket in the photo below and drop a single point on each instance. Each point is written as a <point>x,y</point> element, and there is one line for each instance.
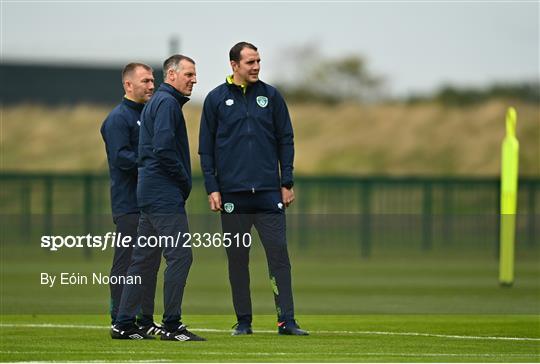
<point>262,101</point>
<point>229,207</point>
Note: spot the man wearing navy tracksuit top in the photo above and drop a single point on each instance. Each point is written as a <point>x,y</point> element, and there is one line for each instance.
<point>247,150</point>
<point>120,132</point>
<point>163,188</point>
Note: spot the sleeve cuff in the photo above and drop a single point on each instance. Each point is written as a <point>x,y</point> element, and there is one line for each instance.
<point>287,185</point>
<point>211,185</point>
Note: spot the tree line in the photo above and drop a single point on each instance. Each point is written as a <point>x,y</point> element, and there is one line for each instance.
<point>315,78</point>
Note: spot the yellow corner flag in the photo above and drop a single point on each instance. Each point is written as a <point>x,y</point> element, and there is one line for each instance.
<point>509,187</point>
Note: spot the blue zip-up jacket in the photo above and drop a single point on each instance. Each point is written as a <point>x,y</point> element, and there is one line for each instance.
<point>246,140</point>
<point>164,162</point>
<point>120,132</point>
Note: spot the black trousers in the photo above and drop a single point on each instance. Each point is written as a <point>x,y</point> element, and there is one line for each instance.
<point>127,226</point>
<point>265,211</point>
<point>178,259</point>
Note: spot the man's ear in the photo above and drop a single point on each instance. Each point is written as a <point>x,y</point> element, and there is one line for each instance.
<point>171,74</point>
<point>127,85</point>
<point>234,65</point>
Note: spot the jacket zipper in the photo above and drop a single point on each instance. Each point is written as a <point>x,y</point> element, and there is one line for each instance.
<point>249,132</point>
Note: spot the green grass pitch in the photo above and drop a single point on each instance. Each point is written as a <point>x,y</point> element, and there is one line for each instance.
<point>347,338</point>
<point>400,307</point>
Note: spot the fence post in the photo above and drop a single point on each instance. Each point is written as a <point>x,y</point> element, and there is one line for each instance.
<point>301,234</point>
<point>99,208</point>
<point>532,213</point>
<point>365,233</point>
<point>26,211</point>
<point>48,205</point>
<point>448,213</point>
<point>427,218</point>
<point>87,198</point>
<point>498,217</point>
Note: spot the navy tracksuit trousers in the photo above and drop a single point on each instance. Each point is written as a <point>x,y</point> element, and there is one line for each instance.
<point>265,211</point>
<point>127,226</point>
<point>178,260</point>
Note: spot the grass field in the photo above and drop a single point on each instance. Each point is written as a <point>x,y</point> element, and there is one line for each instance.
<point>406,307</point>
<point>400,281</point>
<point>372,338</point>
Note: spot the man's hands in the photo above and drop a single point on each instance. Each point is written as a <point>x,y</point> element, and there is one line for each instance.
<point>214,199</point>
<point>287,196</point>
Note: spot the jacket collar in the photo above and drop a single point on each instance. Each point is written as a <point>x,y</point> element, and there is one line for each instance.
<point>171,90</point>
<point>132,104</point>
<point>230,82</point>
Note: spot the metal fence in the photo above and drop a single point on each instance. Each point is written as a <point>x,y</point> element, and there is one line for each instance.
<point>369,212</point>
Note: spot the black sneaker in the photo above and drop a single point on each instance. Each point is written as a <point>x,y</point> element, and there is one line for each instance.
<point>290,328</point>
<point>241,329</point>
<point>131,334</point>
<point>181,334</point>
<point>152,329</point>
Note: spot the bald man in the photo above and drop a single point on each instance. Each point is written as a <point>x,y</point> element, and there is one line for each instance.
<point>120,132</point>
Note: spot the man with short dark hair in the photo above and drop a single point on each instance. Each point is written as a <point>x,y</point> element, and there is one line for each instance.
<point>247,150</point>
<point>120,132</point>
<point>162,191</point>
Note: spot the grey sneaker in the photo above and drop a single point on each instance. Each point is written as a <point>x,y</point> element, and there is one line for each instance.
<point>290,328</point>
<point>241,329</point>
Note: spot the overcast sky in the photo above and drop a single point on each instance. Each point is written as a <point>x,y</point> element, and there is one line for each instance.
<point>417,46</point>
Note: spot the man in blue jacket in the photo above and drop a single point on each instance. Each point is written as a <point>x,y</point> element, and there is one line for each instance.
<point>120,132</point>
<point>163,188</point>
<point>247,150</point>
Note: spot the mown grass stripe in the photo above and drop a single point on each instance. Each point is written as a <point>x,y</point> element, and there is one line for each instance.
<point>348,332</point>
<point>280,354</point>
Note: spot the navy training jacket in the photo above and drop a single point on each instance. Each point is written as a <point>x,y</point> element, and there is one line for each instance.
<point>164,161</point>
<point>120,132</point>
<point>246,140</point>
